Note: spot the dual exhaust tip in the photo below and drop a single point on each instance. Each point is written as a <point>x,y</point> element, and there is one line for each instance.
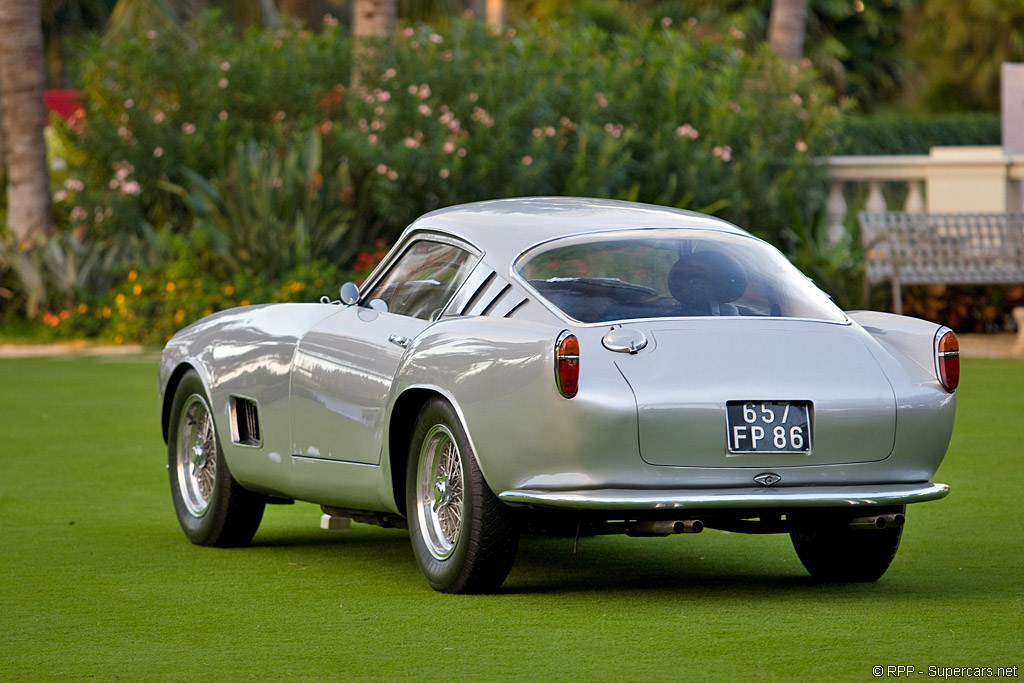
<point>665,527</point>
<point>894,520</point>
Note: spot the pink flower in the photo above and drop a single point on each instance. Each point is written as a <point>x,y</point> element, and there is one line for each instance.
<point>59,196</point>
<point>801,146</point>
<point>151,35</point>
<point>330,20</point>
<point>527,160</point>
<point>372,138</point>
<point>407,33</point>
<point>131,187</point>
<point>158,152</point>
<point>687,131</point>
<point>129,103</point>
<point>436,39</point>
<point>796,99</point>
<point>392,175</point>
<point>444,173</point>
<point>736,33</point>
<point>424,91</point>
<point>382,169</point>
<point>222,83</point>
<point>724,153</point>
<point>411,143</point>
<point>224,66</point>
<point>223,116</point>
<point>449,147</point>
<point>602,101</point>
<point>159,117</point>
<point>424,110</point>
<point>188,128</point>
<point>666,22</point>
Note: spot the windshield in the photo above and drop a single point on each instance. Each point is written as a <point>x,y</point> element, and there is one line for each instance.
<point>657,273</point>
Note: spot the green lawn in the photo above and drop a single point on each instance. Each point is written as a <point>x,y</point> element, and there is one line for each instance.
<point>98,582</point>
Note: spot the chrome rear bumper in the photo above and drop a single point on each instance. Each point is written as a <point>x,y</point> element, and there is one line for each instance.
<point>714,499</point>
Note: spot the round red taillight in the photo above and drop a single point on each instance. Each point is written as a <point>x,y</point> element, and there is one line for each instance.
<point>567,364</point>
<point>947,359</point>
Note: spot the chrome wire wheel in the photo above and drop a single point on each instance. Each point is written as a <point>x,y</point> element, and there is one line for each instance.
<point>196,456</point>
<point>440,493</point>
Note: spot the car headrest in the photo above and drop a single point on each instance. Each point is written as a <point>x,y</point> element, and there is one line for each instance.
<point>707,276</point>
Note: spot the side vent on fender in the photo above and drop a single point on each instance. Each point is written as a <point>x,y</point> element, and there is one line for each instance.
<point>245,422</point>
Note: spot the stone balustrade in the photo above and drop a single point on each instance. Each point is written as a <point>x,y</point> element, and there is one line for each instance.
<point>948,180</point>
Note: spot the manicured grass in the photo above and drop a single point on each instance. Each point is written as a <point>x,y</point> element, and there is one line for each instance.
<point>98,582</point>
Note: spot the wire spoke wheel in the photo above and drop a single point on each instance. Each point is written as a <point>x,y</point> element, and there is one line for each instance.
<point>196,461</point>
<point>440,491</point>
<point>212,508</point>
<point>463,536</point>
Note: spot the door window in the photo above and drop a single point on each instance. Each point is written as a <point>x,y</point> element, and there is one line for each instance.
<point>424,279</point>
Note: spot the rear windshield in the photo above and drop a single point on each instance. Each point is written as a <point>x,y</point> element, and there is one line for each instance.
<point>605,277</point>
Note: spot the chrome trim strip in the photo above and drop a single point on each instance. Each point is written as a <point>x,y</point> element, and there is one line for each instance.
<point>674,499</point>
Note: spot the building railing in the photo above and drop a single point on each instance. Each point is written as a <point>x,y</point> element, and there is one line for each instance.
<point>948,180</point>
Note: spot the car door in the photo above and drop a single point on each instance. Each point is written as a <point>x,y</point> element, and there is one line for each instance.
<point>344,366</point>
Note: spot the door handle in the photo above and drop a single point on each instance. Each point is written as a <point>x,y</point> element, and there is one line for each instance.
<point>399,340</point>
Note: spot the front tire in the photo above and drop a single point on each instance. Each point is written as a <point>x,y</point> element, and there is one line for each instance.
<point>212,508</point>
<point>464,538</point>
<point>833,552</point>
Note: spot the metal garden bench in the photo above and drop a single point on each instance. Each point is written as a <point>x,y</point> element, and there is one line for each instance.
<point>946,248</point>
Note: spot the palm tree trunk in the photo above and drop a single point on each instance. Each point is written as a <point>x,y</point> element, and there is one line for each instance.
<point>787,26</point>
<point>22,78</point>
<point>371,19</point>
<point>491,11</point>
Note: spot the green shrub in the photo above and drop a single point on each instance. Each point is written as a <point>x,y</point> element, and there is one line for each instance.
<point>254,153</point>
<point>901,133</point>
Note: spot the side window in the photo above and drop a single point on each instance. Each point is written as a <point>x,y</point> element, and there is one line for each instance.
<point>424,279</point>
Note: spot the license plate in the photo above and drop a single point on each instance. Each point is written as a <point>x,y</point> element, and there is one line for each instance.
<point>769,426</point>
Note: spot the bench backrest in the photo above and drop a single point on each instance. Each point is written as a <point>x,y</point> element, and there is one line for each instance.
<point>949,248</point>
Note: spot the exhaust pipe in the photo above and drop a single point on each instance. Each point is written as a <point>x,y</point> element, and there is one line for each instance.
<point>665,527</point>
<point>895,519</point>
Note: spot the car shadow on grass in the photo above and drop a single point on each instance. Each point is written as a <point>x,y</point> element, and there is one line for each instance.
<point>715,563</point>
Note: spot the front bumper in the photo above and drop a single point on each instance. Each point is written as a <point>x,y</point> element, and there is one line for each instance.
<point>727,499</point>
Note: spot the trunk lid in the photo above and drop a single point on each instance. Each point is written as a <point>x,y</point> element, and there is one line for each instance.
<point>691,369</point>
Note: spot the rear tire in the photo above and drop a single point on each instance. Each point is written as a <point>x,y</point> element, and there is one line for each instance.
<point>832,552</point>
<point>464,538</point>
<point>212,508</point>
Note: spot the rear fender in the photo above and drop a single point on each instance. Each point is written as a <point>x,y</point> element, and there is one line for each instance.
<point>499,375</point>
<point>926,412</point>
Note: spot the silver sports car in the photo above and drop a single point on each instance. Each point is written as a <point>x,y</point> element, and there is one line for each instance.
<point>567,366</point>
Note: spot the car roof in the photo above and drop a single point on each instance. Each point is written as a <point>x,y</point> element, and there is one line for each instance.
<point>504,228</point>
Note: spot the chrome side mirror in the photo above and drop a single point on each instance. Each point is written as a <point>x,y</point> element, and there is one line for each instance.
<point>349,293</point>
